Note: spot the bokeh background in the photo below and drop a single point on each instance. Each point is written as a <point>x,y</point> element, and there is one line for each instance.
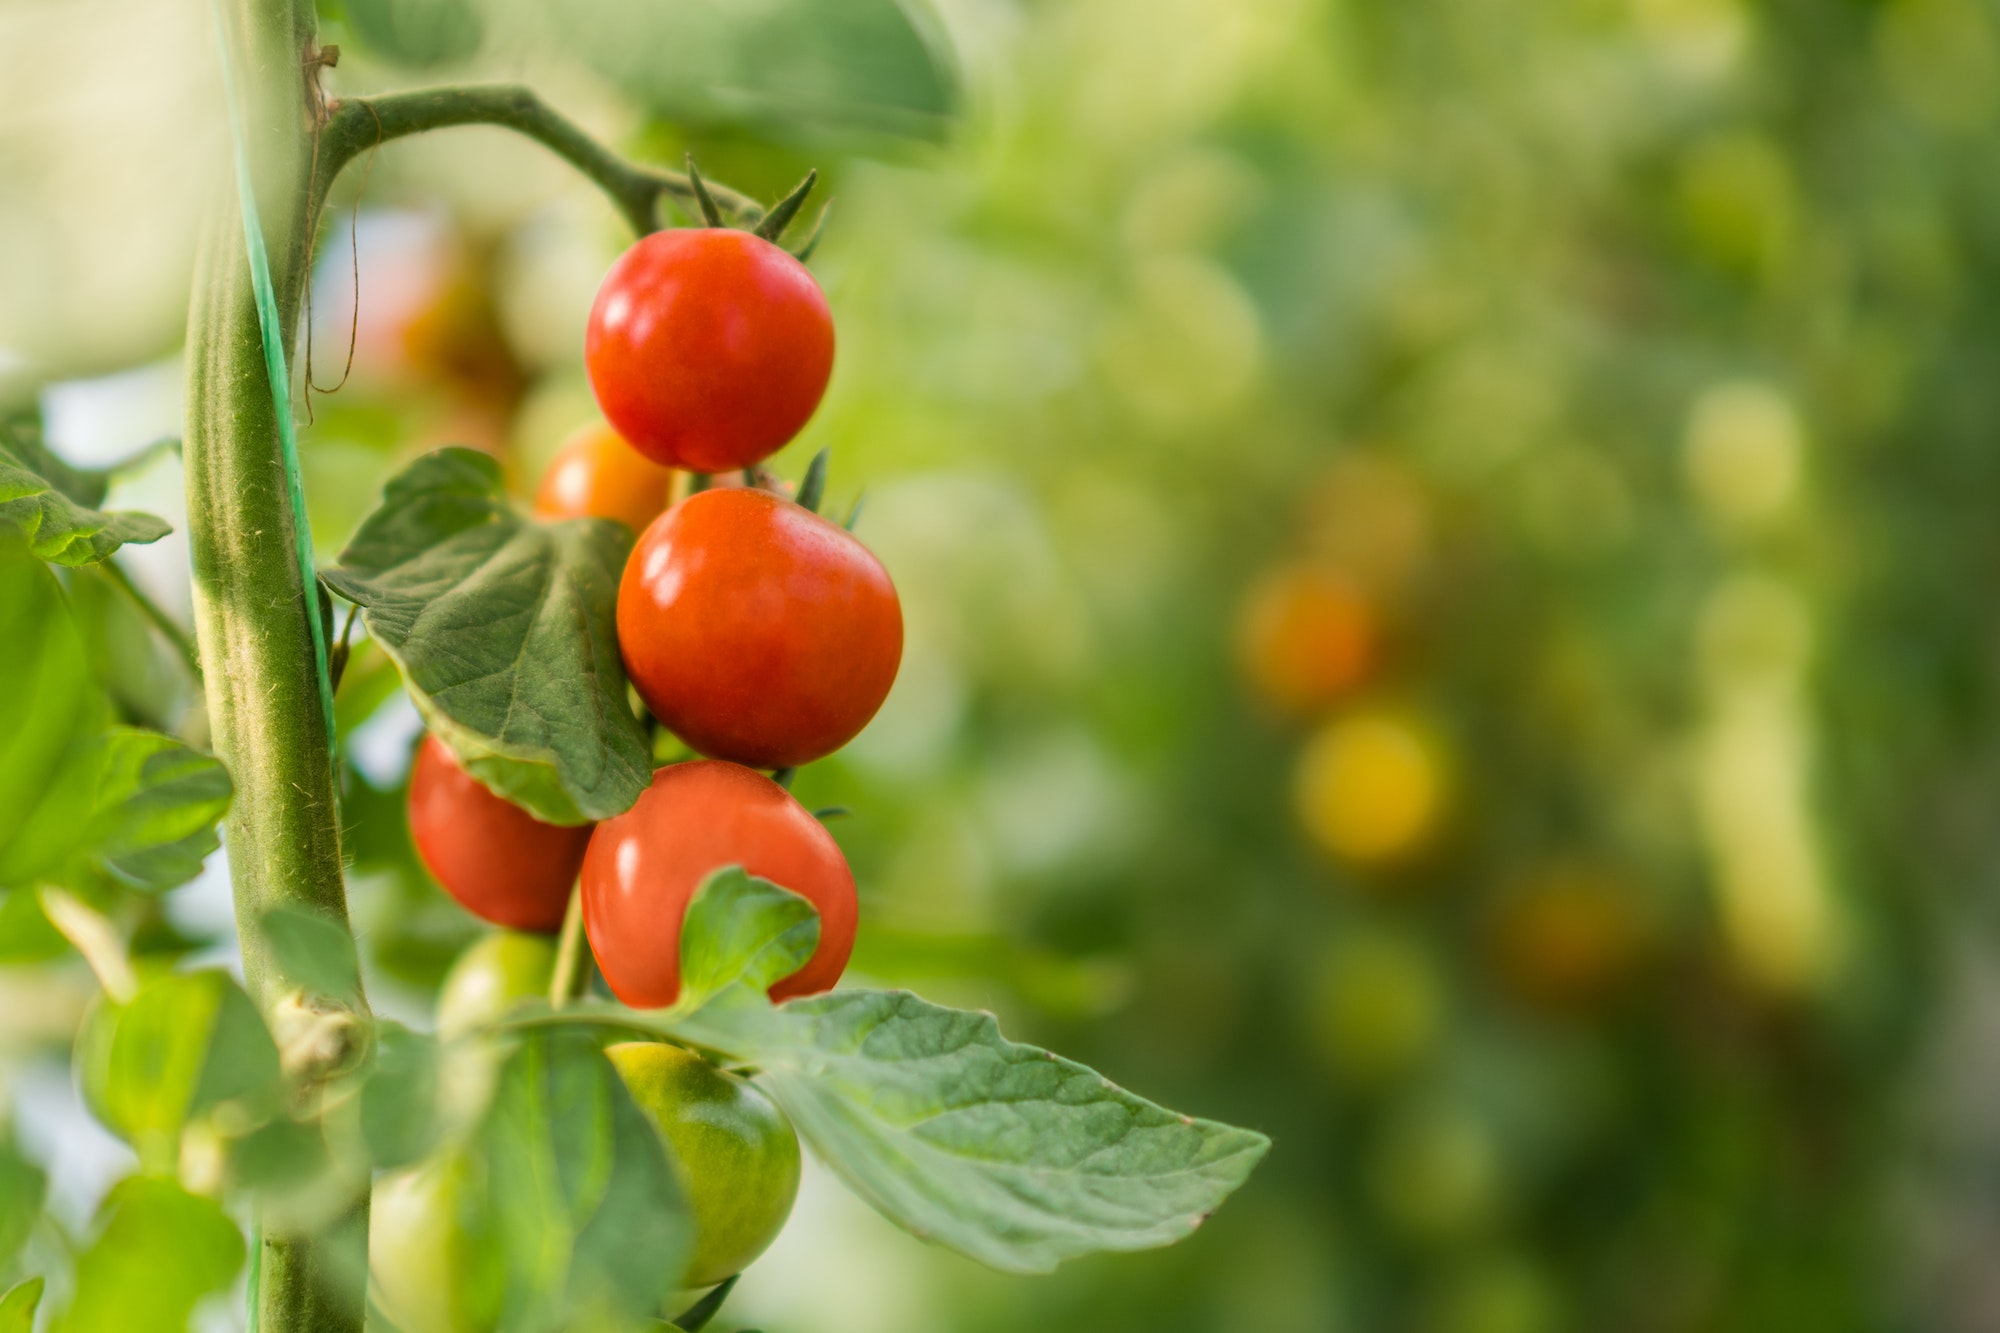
<point>1448,551</point>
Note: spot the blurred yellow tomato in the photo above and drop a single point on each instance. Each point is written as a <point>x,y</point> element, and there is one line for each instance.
<point>1307,635</point>
<point>1371,787</point>
<point>1564,939</point>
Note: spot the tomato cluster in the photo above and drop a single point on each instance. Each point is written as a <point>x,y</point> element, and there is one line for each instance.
<point>759,633</point>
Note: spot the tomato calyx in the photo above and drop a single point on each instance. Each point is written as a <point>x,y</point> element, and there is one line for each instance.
<point>775,221</point>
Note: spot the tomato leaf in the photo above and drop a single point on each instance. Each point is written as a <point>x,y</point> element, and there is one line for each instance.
<point>18,1306</point>
<point>416,34</point>
<point>399,1102</point>
<point>22,1187</point>
<point>584,1206</point>
<point>59,529</point>
<point>742,930</point>
<point>503,629</point>
<point>817,68</point>
<point>185,1044</point>
<point>1006,1153</point>
<point>157,806</point>
<point>312,950</point>
<point>159,1251</point>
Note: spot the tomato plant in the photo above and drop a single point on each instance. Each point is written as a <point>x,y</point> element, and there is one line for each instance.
<point>520,1178</point>
<point>709,348</point>
<point>756,630</point>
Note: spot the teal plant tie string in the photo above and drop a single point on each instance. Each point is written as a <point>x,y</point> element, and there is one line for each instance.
<point>274,368</point>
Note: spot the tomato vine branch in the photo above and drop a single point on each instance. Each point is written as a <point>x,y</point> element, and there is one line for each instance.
<point>357,124</point>
<point>169,628</point>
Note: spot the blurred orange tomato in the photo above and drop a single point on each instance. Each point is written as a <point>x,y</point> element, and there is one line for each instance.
<point>598,475</point>
<point>1371,788</point>
<point>1563,940</point>
<point>1307,636</point>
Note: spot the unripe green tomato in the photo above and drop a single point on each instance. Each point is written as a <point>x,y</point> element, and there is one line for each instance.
<point>434,1267</point>
<point>499,971</point>
<point>734,1151</point>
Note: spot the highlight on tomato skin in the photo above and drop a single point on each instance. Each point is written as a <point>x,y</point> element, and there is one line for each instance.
<point>708,348</point>
<point>643,867</point>
<point>500,862</point>
<point>756,630</point>
<point>598,475</point>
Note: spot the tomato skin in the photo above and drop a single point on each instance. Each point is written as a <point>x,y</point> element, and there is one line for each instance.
<point>501,863</point>
<point>496,973</point>
<point>598,475</point>
<point>708,347</point>
<point>756,630</point>
<point>735,1153</point>
<point>644,866</point>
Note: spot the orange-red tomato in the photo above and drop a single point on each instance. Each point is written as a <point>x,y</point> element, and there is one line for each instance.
<point>1307,636</point>
<point>499,861</point>
<point>756,630</point>
<point>644,866</point>
<point>598,475</point>
<point>708,347</point>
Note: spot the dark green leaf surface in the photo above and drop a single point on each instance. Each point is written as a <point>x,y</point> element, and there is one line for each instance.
<point>742,929</point>
<point>504,631</point>
<point>22,1186</point>
<point>158,1252</point>
<point>314,951</point>
<point>583,1202</point>
<point>59,529</point>
<point>1003,1152</point>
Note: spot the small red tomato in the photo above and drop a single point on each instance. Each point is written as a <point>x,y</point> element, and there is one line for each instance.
<point>756,630</point>
<point>644,866</point>
<point>500,862</point>
<point>708,347</point>
<point>598,475</point>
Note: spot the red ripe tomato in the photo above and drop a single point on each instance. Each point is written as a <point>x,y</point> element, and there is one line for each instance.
<point>500,862</point>
<point>756,630</point>
<point>598,475</point>
<point>643,867</point>
<point>708,347</point>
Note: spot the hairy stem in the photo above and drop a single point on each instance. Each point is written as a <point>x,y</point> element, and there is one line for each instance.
<point>251,608</point>
<point>360,123</point>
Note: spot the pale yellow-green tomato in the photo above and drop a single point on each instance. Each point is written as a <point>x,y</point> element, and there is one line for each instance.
<point>499,971</point>
<point>432,1265</point>
<point>733,1150</point>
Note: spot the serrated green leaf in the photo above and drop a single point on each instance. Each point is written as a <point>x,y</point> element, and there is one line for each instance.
<point>313,951</point>
<point>57,528</point>
<point>158,803</point>
<point>1004,1152</point>
<point>742,930</point>
<point>18,1306</point>
<point>504,630</point>
<point>22,1186</point>
<point>583,1203</point>
<point>159,1251</point>
<point>399,1104</point>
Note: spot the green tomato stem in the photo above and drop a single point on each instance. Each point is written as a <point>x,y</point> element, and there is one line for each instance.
<point>572,972</point>
<point>360,123</point>
<point>252,612</point>
<point>169,628</point>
